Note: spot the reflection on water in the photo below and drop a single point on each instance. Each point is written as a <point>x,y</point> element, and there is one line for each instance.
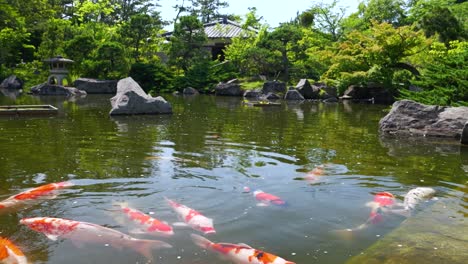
<point>203,156</point>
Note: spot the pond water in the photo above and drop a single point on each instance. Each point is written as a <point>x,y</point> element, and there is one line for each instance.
<point>202,156</point>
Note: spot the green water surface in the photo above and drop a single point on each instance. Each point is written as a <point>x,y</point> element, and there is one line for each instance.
<point>203,155</point>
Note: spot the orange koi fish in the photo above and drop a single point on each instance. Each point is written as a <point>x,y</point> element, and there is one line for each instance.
<point>10,254</point>
<point>239,253</point>
<point>192,218</point>
<point>83,232</point>
<point>266,199</point>
<point>24,198</point>
<point>149,224</point>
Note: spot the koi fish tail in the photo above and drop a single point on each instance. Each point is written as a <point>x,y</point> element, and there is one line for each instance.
<point>201,241</point>
<point>145,247</point>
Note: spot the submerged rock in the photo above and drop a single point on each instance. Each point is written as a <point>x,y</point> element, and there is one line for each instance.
<point>94,86</point>
<point>131,100</point>
<point>412,118</point>
<point>433,236</point>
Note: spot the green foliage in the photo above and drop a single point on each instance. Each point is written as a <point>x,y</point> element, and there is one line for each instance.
<point>32,73</point>
<point>446,18</point>
<point>283,39</point>
<point>445,79</point>
<point>207,10</point>
<point>187,42</point>
<point>375,55</point>
<point>109,62</point>
<point>139,31</point>
<point>384,11</point>
<point>152,77</point>
<point>204,74</point>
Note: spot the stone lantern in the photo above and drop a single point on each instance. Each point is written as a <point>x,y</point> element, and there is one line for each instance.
<point>58,70</point>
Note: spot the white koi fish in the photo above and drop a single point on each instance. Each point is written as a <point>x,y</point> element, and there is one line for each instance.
<point>192,218</point>
<point>148,224</point>
<point>27,197</point>
<point>239,253</point>
<point>416,196</point>
<point>83,232</point>
<point>10,253</point>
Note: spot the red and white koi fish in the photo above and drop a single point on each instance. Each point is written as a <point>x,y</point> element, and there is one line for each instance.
<point>11,254</point>
<point>381,201</point>
<point>239,253</point>
<point>148,224</point>
<point>83,232</point>
<point>266,199</point>
<point>192,218</point>
<point>47,191</point>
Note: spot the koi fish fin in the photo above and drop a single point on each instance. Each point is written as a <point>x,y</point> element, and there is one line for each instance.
<point>201,241</point>
<point>52,237</point>
<point>262,204</point>
<point>180,224</point>
<point>244,245</point>
<point>145,246</point>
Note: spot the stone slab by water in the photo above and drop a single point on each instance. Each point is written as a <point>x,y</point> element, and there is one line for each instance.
<point>437,235</point>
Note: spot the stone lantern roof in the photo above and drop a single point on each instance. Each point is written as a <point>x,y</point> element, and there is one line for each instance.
<point>58,58</point>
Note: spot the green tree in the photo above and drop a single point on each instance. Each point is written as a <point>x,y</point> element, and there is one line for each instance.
<point>139,30</point>
<point>375,55</point>
<point>284,39</point>
<point>207,10</point>
<point>441,17</point>
<point>187,42</point>
<point>327,18</point>
<point>445,78</point>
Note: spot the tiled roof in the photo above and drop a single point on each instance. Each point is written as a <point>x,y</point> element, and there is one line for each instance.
<point>221,29</point>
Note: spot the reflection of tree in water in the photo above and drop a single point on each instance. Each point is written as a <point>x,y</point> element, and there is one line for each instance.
<point>427,159</point>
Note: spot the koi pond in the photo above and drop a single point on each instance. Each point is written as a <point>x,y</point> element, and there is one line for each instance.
<point>211,155</point>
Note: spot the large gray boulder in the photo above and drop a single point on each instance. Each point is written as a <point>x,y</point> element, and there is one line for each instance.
<point>293,95</point>
<point>464,136</point>
<point>231,88</point>
<point>411,118</point>
<point>132,100</point>
<point>274,87</point>
<point>52,89</point>
<point>12,82</point>
<point>255,93</point>
<point>270,96</point>
<point>307,90</point>
<point>93,86</point>
<point>190,91</point>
